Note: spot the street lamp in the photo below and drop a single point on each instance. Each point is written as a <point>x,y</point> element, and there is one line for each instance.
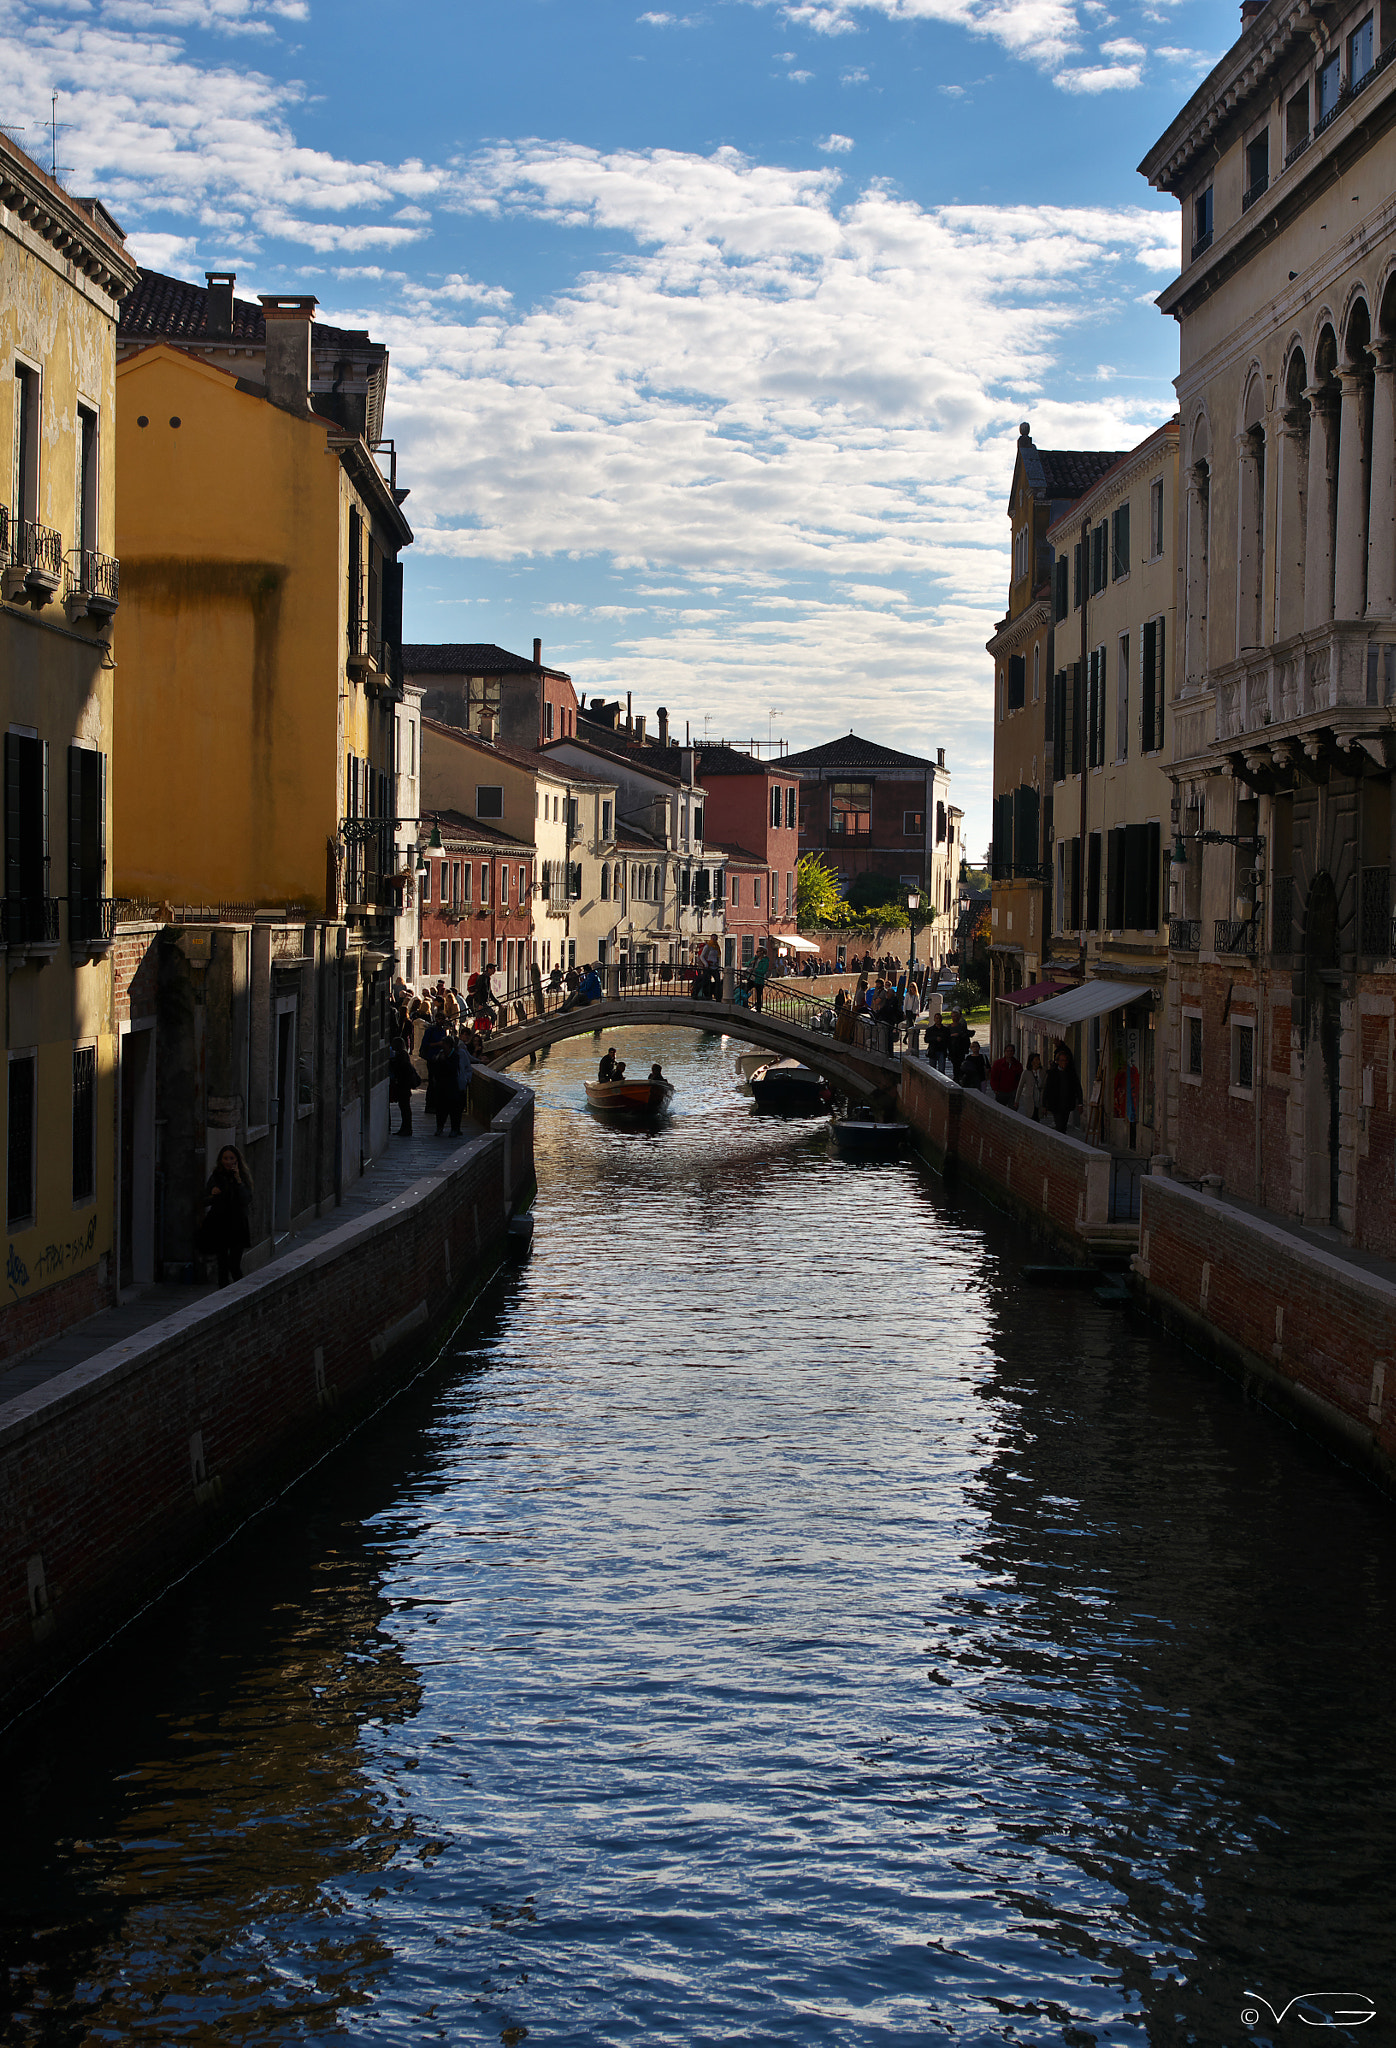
<point>913,904</point>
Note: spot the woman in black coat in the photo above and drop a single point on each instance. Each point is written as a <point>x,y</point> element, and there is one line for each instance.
<point>226,1229</point>
<point>1061,1091</point>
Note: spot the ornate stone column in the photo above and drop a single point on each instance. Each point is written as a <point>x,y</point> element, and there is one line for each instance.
<point>1291,491</point>
<point>1250,538</point>
<point>1350,545</point>
<point>1318,546</point>
<point>1381,526</point>
<point>1195,624</point>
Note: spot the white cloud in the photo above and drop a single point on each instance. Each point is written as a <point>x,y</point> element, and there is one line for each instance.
<point>1122,48</point>
<point>855,76</point>
<point>799,77</point>
<point>1099,78</point>
<point>836,145</point>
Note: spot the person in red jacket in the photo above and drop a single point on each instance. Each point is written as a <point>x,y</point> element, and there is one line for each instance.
<point>1004,1076</point>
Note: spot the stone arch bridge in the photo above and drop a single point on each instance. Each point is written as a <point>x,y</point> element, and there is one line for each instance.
<point>789,1025</point>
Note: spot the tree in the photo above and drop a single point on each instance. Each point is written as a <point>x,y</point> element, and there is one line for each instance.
<point>879,899</point>
<point>817,899</point>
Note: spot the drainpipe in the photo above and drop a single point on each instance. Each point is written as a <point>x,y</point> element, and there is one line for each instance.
<point>341,946</point>
<point>1083,702</point>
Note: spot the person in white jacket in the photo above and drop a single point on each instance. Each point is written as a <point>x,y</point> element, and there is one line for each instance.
<point>1028,1100</point>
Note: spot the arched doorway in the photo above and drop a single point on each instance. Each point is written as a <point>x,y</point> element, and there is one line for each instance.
<point>1322,1043</point>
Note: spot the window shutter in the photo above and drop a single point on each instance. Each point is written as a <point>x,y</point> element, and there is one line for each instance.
<point>1159,674</point>
<point>1120,543</point>
<point>1137,877</point>
<point>1076,574</point>
<point>1093,882</point>
<point>1148,640</point>
<point>392,618</point>
<point>1153,855</point>
<point>1077,717</point>
<point>76,917</point>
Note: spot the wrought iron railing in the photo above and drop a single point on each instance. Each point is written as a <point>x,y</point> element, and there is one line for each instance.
<point>39,549</point>
<point>1235,935</point>
<point>1185,934</point>
<point>1300,146</point>
<point>1201,245</point>
<point>93,576</point>
<point>30,920</point>
<point>91,919</point>
<point>1256,191</point>
<point>365,641</point>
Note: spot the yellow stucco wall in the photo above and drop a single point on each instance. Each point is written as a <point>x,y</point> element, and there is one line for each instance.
<point>232,577</point>
<point>56,679</point>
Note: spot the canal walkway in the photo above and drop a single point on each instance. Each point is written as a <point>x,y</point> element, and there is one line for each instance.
<point>406,1161</point>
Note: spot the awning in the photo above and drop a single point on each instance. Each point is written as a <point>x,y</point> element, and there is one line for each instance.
<point>1091,999</point>
<point>797,945</point>
<point>1036,992</point>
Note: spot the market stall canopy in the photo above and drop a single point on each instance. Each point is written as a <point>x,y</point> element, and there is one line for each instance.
<point>1091,999</point>
<point>1036,991</point>
<point>798,945</point>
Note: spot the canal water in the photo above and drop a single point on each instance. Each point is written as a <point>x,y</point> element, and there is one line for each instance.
<point>772,1622</point>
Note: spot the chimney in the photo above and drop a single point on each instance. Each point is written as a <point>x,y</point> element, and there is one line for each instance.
<point>537,654</point>
<point>218,313</point>
<point>663,727</point>
<point>940,757</point>
<point>629,721</point>
<point>289,317</point>
<point>1249,10</point>
<point>640,731</point>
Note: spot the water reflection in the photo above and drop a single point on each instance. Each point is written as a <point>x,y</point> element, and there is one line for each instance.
<point>775,1624</point>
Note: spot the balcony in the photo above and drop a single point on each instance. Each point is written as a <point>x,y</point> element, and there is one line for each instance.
<point>1235,935</point>
<point>364,659</point>
<point>91,927</point>
<point>93,581</point>
<point>1201,246</point>
<point>33,560</point>
<point>1311,699</point>
<point>1185,935</point>
<point>30,929</point>
<point>1257,191</point>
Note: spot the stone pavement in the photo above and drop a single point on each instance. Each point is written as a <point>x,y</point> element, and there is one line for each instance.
<point>406,1161</point>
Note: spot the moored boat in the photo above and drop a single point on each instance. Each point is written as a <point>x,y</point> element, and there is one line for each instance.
<point>792,1088</point>
<point>859,1137</point>
<point>629,1098</point>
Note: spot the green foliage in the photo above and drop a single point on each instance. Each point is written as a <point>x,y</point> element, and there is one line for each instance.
<point>877,897</point>
<point>818,904</point>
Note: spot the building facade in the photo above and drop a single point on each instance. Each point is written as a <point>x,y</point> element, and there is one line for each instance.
<point>476,906</point>
<point>1046,482</point>
<point>868,809</point>
<point>1282,985</point>
<point>64,273</point>
<point>407,780</point>
<point>486,690</point>
<point>755,805</point>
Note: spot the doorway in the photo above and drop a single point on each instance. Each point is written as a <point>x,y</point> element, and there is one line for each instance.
<point>1322,1047</point>
<point>136,1251</point>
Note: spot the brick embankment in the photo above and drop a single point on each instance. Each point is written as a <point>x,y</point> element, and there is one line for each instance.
<point>124,1470</point>
<point>1309,1331</point>
<point>1054,1183</point>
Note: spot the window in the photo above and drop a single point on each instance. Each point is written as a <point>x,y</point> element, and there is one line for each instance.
<point>1076,577</point>
<point>1122,701</point>
<point>548,721</point>
<point>1100,557</point>
<point>26,460</point>
<point>775,805</point>
<point>1202,222</point>
<point>1142,877</point>
<point>605,818</point>
<point>87,842</point>
<point>1330,85</point>
<point>850,809</point>
<point>913,824</point>
<point>697,823</point>
<point>23,1151</point>
<point>605,883</point>
<point>443,951</point>
<point>489,800</point>
<point>1151,686</point>
<point>1297,124</point>
<point>85,502</point>
<point>503,886</point>
<point>84,1122</point>
<point>1257,169</point>
<point>484,883</point>
<point>1156,518</point>
<point>1243,1056</point>
<point>576,880</point>
<point>756,891</point>
<point>1095,708</point>
<point>1093,853</point>
<point>26,837</point>
<point>1360,52</point>
<point>463,870</point>
<point>748,948</point>
<point>1119,543</point>
<point>1017,681</point>
<point>1192,1045</point>
<point>1036,674</point>
<point>736,891</point>
<point>523,884</point>
<point>792,809</point>
<point>1061,589</point>
<point>789,894</point>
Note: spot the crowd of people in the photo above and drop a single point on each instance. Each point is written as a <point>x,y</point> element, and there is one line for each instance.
<point>1033,1091</point>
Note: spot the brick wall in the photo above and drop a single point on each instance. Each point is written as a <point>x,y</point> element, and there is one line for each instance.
<point>1032,1168</point>
<point>136,971</point>
<point>1313,1333</point>
<point>120,1472</point>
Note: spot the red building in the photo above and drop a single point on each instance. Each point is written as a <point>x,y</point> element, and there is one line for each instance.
<point>753,810</point>
<point>477,904</point>
<point>746,911</point>
<point>487,690</point>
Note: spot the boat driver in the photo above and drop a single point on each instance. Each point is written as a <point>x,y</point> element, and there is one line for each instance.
<point>610,1069</point>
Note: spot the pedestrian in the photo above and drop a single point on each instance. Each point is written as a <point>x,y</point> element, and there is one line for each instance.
<point>452,1084</point>
<point>957,1041</point>
<point>1061,1091</point>
<point>938,1044</point>
<point>1028,1100</point>
<point>973,1076</point>
<point>402,1079</point>
<point>911,1011</point>
<point>1004,1076</point>
<point>711,961</point>
<point>226,1229</point>
<point>760,968</point>
<point>434,1042</point>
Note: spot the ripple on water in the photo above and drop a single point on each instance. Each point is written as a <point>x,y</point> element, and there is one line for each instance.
<point>772,1624</point>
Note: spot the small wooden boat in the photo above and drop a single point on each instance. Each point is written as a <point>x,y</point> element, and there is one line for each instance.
<point>791,1088</point>
<point>630,1098</point>
<point>860,1138</point>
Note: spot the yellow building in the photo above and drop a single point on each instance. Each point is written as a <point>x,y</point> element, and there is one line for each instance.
<point>254,776</point>
<point>63,275</point>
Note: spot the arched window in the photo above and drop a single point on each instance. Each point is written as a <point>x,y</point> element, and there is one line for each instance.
<point>605,882</point>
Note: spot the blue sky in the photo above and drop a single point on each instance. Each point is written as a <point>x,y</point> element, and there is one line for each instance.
<point>711,326</point>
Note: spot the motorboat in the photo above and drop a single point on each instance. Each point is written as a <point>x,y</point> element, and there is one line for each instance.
<point>749,1063</point>
<point>859,1137</point>
<point>630,1098</point>
<point>792,1088</point>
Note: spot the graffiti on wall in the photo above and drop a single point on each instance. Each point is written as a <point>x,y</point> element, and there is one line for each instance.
<point>52,1261</point>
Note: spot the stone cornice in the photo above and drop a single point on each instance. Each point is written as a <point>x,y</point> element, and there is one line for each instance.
<point>1023,627</point>
<point>1257,51</point>
<point>1160,446</point>
<point>37,209</point>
